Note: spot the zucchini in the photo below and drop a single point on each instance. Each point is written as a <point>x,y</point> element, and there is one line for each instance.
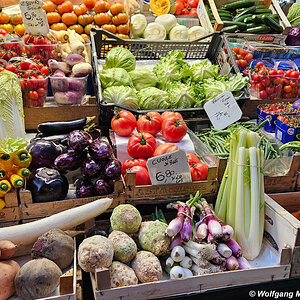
<point>260,6</point>
<point>259,29</point>
<point>253,25</point>
<point>239,10</point>
<point>272,23</point>
<point>275,17</point>
<point>257,19</point>
<point>238,4</point>
<point>224,11</point>
<point>230,29</point>
<point>223,18</point>
<point>208,10</point>
<point>263,11</point>
<point>241,19</point>
<point>248,20</point>
<point>240,25</point>
<point>247,11</point>
<point>224,14</point>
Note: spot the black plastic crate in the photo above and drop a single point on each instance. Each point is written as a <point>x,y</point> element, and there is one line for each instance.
<point>217,51</point>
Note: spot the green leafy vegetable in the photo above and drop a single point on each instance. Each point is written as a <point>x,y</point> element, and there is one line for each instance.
<point>204,70</point>
<point>10,145</point>
<point>294,15</point>
<point>115,77</point>
<point>153,98</point>
<point>143,78</point>
<point>119,57</point>
<point>11,106</point>
<point>181,95</point>
<point>122,95</point>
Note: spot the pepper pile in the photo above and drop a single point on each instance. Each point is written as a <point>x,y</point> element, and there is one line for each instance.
<point>14,163</point>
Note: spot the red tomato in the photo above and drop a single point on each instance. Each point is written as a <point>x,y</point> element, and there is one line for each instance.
<point>262,71</point>
<point>11,68</point>
<point>243,63</point>
<point>237,62</point>
<point>150,123</point>
<point>45,71</point>
<point>193,11</point>
<point>142,175</point>
<point>179,7</point>
<point>127,164</point>
<point>248,57</point>
<point>272,72</point>
<point>192,158</point>
<point>280,72</point>
<point>263,94</point>
<point>168,114</point>
<point>192,3</point>
<point>198,171</point>
<point>123,123</point>
<point>141,145</point>
<point>294,74</point>
<point>265,81</point>
<point>259,64</point>
<point>185,11</point>
<point>235,49</point>
<point>33,95</point>
<point>270,90</point>
<point>259,86</point>
<point>243,52</point>
<point>173,129</point>
<point>165,148</point>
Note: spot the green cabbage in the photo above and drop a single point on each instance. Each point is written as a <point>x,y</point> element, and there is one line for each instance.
<point>115,76</point>
<point>204,70</point>
<point>143,78</point>
<point>153,98</point>
<point>11,106</point>
<point>181,95</point>
<point>294,15</point>
<point>122,95</point>
<point>119,57</point>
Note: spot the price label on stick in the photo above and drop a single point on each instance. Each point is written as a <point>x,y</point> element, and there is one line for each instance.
<point>223,110</point>
<point>34,17</point>
<point>169,168</point>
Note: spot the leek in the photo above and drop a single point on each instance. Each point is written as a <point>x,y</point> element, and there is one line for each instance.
<point>240,201</point>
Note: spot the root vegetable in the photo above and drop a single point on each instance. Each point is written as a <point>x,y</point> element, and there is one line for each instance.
<point>214,227</point>
<point>121,275</point>
<point>227,232</point>
<point>7,249</point>
<point>177,272</point>
<point>73,59</point>
<point>186,262</point>
<point>201,232</point>
<point>82,69</point>
<point>203,250</point>
<point>124,246</point>
<point>176,241</point>
<point>187,272</point>
<point>218,259</point>
<point>147,267</point>
<point>8,271</point>
<point>177,253</point>
<point>224,250</point>
<point>243,263</point>
<point>95,251</point>
<point>70,97</point>
<point>56,246</point>
<point>232,263</point>
<point>235,248</point>
<point>38,278</point>
<point>76,45</point>
<point>169,262</point>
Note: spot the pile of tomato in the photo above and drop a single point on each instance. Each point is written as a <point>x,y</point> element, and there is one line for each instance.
<point>266,83</point>
<point>277,108</point>
<point>186,7</point>
<point>292,121</point>
<point>12,23</point>
<point>10,45</point>
<point>33,76</point>
<point>142,144</point>
<point>242,57</point>
<point>291,84</point>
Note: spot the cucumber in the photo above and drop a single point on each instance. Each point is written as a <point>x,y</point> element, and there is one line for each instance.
<point>240,25</point>
<point>224,11</point>
<point>238,4</point>
<point>274,16</point>
<point>230,29</point>
<point>263,11</point>
<point>226,15</point>
<point>260,6</point>
<point>240,10</point>
<point>259,29</point>
<point>272,23</point>
<point>253,25</point>
<point>208,10</point>
<point>241,19</point>
<point>248,20</point>
<point>257,19</point>
<point>247,11</point>
<point>223,18</point>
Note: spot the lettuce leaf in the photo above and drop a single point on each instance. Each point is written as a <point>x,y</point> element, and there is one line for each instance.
<point>204,70</point>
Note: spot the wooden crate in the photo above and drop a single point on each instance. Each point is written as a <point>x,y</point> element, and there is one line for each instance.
<point>262,38</point>
<point>36,115</point>
<point>165,288</point>
<point>287,203</point>
<point>11,212</point>
<point>133,191</point>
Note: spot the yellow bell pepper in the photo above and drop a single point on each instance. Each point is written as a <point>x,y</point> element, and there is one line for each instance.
<point>16,181</point>
<point>2,203</point>
<point>5,187</point>
<point>22,158</point>
<point>6,161</point>
<point>2,174</point>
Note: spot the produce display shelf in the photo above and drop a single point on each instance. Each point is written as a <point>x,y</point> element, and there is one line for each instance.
<point>287,203</point>
<point>11,213</point>
<point>198,284</point>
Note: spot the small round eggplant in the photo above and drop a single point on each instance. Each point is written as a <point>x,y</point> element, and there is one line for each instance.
<point>113,169</point>
<point>100,150</point>
<point>69,161</point>
<point>47,185</point>
<point>91,169</point>
<point>84,188</point>
<point>78,140</point>
<point>102,187</point>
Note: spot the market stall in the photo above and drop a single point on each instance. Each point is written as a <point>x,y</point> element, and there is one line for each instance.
<point>149,149</point>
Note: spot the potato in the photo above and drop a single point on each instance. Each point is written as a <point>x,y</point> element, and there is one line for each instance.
<point>7,249</point>
<point>38,278</point>
<point>8,271</point>
<point>121,275</point>
<point>56,246</point>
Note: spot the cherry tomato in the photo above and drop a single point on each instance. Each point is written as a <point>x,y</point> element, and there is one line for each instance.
<point>192,3</point>
<point>41,92</point>
<point>237,62</point>
<point>150,123</point>
<point>165,148</point>
<point>198,171</point>
<point>235,49</point>
<point>265,81</point>
<point>263,94</point>
<point>123,123</point>
<point>243,52</point>
<point>33,95</point>
<point>168,114</point>
<point>272,72</point>
<point>280,72</point>
<point>142,175</point>
<point>141,145</point>
<point>256,78</point>
<point>248,57</point>
<point>192,158</point>
<point>294,74</point>
<point>270,90</point>
<point>259,64</point>
<point>45,71</point>
<point>179,7</point>
<point>294,83</point>
<point>185,11</point>
<point>173,129</point>
<point>259,86</point>
<point>243,63</point>
<point>287,88</point>
<point>11,68</point>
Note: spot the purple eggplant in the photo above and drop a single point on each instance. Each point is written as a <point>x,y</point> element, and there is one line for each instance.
<point>43,153</point>
<point>91,169</point>
<point>84,188</point>
<point>69,161</point>
<point>78,140</point>
<point>47,185</point>
<point>100,150</point>
<point>113,169</point>
<point>95,133</point>
<point>102,187</point>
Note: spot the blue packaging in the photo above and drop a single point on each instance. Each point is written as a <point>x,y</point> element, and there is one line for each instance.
<point>284,133</point>
<point>261,116</point>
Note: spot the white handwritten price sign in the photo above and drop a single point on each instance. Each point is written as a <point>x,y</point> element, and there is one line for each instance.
<point>169,168</point>
<point>34,17</point>
<point>223,110</point>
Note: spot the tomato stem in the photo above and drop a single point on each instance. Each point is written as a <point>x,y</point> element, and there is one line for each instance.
<point>148,118</point>
<point>143,140</point>
<point>178,122</point>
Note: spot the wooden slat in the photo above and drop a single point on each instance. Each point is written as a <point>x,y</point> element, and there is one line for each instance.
<point>295,268</point>
<point>10,214</point>
<point>204,19</point>
<point>11,199</point>
<point>289,201</point>
<point>219,23</point>
<point>283,19</point>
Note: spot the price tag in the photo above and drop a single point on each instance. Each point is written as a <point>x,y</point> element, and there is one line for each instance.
<point>169,168</point>
<point>223,110</point>
<point>34,17</point>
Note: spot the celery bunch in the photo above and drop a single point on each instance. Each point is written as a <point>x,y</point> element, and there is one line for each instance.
<point>240,201</point>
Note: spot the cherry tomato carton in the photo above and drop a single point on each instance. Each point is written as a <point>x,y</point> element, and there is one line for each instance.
<point>10,46</point>
<point>287,129</point>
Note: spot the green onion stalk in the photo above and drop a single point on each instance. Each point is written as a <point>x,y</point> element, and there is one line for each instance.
<point>240,201</point>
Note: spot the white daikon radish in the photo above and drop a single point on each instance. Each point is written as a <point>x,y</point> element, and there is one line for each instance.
<point>28,233</point>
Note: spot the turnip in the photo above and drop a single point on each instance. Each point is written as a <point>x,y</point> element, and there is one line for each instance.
<point>77,84</point>
<point>70,97</point>
<point>82,69</point>
<point>73,59</point>
<point>59,84</point>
